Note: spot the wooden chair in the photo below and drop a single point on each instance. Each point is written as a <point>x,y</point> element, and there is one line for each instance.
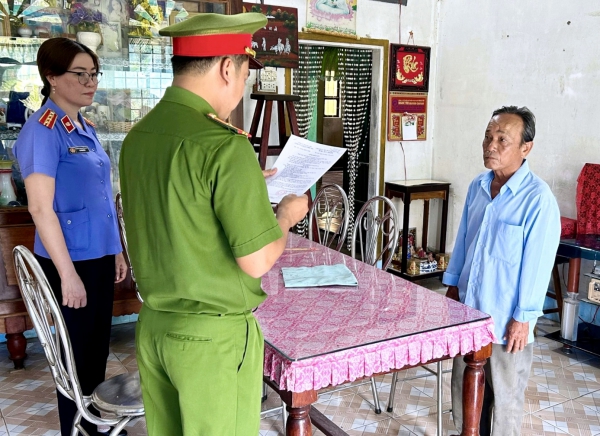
<point>119,397</point>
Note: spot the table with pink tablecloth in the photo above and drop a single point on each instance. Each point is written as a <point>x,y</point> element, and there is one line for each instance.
<point>326,336</point>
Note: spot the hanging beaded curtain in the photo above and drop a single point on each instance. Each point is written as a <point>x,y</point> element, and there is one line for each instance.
<point>306,80</point>
<point>355,69</point>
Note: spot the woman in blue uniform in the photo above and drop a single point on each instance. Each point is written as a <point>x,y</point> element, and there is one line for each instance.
<point>67,180</point>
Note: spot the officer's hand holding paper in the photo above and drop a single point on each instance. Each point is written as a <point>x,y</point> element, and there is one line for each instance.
<point>299,166</point>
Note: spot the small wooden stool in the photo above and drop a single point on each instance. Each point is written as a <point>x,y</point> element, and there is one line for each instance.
<point>285,106</point>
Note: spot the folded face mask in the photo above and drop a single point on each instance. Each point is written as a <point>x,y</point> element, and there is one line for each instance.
<point>322,275</point>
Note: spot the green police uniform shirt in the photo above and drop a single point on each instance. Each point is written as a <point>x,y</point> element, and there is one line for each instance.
<point>194,200</point>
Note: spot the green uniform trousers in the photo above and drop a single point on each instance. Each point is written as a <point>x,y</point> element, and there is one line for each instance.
<point>201,374</point>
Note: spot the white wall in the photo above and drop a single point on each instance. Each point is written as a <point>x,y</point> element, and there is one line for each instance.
<point>517,52</point>
<point>381,20</point>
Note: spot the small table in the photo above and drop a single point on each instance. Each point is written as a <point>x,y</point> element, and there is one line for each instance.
<point>583,247</point>
<point>419,190</point>
<point>327,336</point>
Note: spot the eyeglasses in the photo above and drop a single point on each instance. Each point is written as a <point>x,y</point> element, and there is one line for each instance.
<point>84,77</point>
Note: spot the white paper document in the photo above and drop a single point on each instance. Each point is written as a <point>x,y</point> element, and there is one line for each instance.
<point>409,127</point>
<point>299,166</point>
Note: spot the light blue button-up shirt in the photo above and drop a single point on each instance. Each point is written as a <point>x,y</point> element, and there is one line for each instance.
<point>83,199</point>
<point>505,249</point>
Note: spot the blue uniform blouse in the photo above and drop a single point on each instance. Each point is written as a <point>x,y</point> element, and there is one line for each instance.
<point>83,199</point>
<point>505,249</point>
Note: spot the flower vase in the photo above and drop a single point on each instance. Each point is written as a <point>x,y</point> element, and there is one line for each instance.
<point>89,39</point>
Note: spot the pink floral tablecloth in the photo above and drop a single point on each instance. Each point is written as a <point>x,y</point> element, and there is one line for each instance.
<point>326,336</point>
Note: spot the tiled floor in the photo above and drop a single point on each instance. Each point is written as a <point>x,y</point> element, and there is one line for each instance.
<point>563,396</point>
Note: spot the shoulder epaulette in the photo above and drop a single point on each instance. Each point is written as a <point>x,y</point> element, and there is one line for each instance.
<point>89,122</point>
<point>48,118</point>
<point>228,126</point>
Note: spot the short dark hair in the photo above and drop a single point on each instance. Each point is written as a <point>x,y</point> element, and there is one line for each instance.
<point>55,56</point>
<point>526,115</point>
<point>195,65</point>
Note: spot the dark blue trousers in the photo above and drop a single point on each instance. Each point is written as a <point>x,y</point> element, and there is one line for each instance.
<point>89,329</point>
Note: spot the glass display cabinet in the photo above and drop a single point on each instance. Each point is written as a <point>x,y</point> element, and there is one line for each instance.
<point>136,71</point>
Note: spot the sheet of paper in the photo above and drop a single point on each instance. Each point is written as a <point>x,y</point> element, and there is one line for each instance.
<point>409,127</point>
<point>299,166</point>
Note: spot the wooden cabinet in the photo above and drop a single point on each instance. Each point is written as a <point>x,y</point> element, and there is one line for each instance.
<point>17,228</point>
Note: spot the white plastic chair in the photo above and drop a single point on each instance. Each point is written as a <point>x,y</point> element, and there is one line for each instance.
<point>119,397</point>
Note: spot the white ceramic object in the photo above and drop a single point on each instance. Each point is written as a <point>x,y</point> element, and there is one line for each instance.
<point>89,39</point>
<point>25,32</point>
<point>6,187</point>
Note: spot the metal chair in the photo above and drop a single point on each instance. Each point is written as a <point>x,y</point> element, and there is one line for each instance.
<point>379,225</point>
<point>328,217</point>
<point>376,234</point>
<point>373,227</point>
<point>119,397</point>
<point>121,221</point>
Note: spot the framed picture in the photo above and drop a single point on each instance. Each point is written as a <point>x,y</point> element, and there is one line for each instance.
<point>276,44</point>
<point>409,68</point>
<point>402,104</point>
<point>333,16</point>
<point>111,40</point>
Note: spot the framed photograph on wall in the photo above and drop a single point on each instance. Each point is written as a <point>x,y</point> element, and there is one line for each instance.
<point>409,68</point>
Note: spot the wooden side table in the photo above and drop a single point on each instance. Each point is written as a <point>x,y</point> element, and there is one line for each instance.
<point>419,190</point>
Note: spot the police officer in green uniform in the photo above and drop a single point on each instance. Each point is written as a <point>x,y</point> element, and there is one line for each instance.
<point>201,233</point>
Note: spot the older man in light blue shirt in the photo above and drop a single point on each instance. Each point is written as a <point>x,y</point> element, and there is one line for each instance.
<point>501,265</point>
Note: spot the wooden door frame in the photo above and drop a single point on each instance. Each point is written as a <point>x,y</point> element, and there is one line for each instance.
<point>379,86</point>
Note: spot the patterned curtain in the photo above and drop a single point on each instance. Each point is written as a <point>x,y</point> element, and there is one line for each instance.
<point>305,85</point>
<point>355,70</point>
<point>306,80</point>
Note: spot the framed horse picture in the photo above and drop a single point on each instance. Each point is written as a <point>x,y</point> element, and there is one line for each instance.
<point>276,44</point>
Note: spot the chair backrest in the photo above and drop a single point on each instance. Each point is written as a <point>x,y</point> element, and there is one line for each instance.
<point>121,221</point>
<point>328,217</point>
<point>588,200</point>
<point>376,221</point>
<point>43,309</point>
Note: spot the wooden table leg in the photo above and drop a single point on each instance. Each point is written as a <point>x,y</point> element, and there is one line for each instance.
<point>298,423</point>
<point>425,223</point>
<point>15,340</point>
<point>17,344</point>
<point>574,269</point>
<point>298,407</point>
<point>473,388</point>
